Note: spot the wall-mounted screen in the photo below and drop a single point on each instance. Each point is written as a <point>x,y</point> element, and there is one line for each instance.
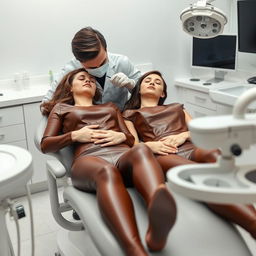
<point>246,17</point>
<point>218,52</point>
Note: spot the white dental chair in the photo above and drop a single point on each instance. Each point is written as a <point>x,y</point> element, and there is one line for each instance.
<point>197,232</point>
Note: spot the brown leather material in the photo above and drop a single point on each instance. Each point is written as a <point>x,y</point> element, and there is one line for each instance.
<point>196,155</point>
<point>242,215</point>
<point>65,118</point>
<point>153,123</point>
<point>96,169</point>
<point>137,166</point>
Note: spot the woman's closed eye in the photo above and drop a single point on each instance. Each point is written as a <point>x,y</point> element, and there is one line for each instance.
<point>156,81</point>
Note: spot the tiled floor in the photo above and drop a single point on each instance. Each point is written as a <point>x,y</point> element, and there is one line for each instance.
<point>46,228</point>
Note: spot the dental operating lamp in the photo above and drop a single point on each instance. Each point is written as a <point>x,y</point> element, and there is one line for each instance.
<point>203,20</point>
<point>224,181</point>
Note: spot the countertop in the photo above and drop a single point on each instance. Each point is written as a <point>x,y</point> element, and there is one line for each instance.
<point>24,92</point>
<point>218,92</point>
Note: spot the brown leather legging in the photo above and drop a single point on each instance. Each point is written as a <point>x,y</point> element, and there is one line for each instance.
<point>140,167</point>
<point>242,215</point>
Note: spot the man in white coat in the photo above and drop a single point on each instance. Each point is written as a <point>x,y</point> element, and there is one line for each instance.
<point>115,74</point>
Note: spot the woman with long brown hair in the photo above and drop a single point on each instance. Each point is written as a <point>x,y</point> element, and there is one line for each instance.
<point>104,162</point>
<point>164,129</point>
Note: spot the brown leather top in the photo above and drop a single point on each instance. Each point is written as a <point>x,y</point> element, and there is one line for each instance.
<point>65,118</point>
<point>154,123</point>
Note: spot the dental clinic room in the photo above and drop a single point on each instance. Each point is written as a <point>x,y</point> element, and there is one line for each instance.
<point>128,128</point>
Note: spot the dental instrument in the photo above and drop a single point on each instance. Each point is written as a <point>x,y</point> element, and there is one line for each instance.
<point>15,172</point>
<point>224,181</point>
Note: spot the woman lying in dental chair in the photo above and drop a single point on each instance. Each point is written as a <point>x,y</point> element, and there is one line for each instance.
<point>164,129</point>
<point>104,162</point>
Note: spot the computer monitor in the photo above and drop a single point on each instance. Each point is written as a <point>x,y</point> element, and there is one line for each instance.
<point>218,53</point>
<point>246,17</point>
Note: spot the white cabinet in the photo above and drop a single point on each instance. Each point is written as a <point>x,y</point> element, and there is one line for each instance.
<point>17,127</point>
<point>197,103</point>
<point>12,127</point>
<point>32,117</point>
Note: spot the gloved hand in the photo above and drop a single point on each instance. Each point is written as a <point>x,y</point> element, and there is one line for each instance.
<point>121,80</point>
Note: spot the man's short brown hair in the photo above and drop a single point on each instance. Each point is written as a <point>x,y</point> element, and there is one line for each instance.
<point>87,43</point>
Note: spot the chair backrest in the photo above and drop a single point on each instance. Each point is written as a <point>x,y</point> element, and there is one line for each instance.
<point>65,155</point>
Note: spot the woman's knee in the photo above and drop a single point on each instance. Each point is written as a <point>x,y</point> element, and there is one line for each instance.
<point>140,150</point>
<point>108,173</point>
<point>206,156</point>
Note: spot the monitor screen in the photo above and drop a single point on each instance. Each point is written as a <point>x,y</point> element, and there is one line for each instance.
<point>246,12</point>
<point>218,52</point>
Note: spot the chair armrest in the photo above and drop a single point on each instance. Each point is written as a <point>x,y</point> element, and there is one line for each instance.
<point>56,168</point>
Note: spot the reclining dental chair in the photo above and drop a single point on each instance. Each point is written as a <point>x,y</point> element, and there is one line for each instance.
<point>197,232</point>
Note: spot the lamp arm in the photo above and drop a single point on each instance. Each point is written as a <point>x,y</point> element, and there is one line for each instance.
<point>242,103</point>
<point>204,2</point>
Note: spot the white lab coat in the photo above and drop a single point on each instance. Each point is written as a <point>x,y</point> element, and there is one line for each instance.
<point>111,93</point>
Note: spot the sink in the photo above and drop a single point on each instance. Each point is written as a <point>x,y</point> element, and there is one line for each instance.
<point>237,91</point>
<point>229,94</point>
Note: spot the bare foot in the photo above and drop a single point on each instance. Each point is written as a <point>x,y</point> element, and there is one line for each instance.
<point>162,215</point>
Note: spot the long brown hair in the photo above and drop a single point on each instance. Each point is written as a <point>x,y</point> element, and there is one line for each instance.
<point>135,102</point>
<point>63,93</point>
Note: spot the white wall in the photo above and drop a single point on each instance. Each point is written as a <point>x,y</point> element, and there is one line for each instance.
<point>36,34</point>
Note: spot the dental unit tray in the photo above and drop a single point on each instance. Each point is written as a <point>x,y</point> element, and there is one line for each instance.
<point>223,181</point>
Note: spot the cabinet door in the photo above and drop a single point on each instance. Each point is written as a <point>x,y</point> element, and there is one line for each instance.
<point>201,99</point>
<point>32,117</point>
<point>11,116</point>
<point>12,133</point>
<point>196,111</point>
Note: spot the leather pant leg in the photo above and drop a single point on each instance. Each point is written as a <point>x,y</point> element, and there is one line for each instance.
<point>205,156</point>
<point>242,215</point>
<point>169,161</point>
<point>90,173</point>
<point>140,166</point>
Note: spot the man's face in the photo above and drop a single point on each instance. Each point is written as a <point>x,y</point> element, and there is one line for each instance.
<point>98,61</point>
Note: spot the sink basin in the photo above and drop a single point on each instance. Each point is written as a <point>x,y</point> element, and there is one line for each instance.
<point>229,94</point>
<point>237,91</point>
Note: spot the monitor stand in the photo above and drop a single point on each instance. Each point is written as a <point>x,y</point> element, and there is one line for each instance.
<point>218,77</point>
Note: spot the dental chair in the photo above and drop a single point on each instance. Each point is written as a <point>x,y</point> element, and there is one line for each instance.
<point>197,232</point>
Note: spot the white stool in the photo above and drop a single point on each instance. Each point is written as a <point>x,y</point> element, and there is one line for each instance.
<point>15,171</point>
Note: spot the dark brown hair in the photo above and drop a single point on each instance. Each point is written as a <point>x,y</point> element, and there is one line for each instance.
<point>63,93</point>
<point>135,102</point>
<point>87,43</point>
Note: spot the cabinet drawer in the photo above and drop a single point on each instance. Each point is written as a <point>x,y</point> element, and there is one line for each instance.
<point>196,111</point>
<point>12,133</point>
<point>199,99</point>
<point>10,116</point>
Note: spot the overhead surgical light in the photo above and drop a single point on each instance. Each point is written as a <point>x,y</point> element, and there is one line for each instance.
<point>203,20</point>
